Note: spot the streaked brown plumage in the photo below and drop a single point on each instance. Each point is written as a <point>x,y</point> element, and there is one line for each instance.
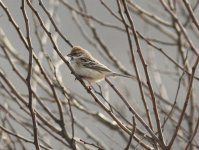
<point>87,67</point>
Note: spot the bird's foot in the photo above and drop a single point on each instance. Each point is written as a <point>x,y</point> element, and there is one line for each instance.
<point>89,88</point>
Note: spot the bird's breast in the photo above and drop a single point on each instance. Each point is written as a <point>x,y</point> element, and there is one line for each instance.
<point>87,73</point>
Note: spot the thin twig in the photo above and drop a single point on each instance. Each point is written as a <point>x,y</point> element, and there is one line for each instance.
<point>185,103</point>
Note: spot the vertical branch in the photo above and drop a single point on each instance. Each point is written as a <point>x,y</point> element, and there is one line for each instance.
<point>131,136</point>
<point>63,133</point>
<point>28,79</point>
<point>146,73</point>
<point>135,67</point>
<point>193,135</point>
<point>185,103</point>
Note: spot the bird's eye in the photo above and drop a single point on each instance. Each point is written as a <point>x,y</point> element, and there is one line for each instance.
<point>74,54</point>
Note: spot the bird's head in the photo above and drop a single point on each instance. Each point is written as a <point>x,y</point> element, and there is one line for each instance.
<point>78,52</point>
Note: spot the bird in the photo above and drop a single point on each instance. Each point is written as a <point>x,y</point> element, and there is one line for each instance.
<point>88,68</point>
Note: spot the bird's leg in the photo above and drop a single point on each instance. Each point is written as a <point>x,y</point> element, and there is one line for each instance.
<point>100,88</point>
<point>89,86</point>
<point>77,77</point>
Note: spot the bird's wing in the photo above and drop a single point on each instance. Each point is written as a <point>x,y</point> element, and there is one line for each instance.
<point>94,64</point>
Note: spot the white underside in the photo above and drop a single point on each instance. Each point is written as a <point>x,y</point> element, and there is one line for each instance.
<point>88,74</point>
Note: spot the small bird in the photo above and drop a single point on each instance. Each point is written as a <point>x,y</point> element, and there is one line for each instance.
<point>88,68</point>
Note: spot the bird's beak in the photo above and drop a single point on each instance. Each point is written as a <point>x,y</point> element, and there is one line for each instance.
<point>69,55</point>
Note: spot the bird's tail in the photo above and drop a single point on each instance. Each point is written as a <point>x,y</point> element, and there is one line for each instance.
<point>123,75</point>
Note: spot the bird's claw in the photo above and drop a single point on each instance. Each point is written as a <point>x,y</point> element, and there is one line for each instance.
<point>89,88</point>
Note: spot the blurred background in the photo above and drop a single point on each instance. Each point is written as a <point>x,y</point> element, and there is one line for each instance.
<point>163,94</point>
